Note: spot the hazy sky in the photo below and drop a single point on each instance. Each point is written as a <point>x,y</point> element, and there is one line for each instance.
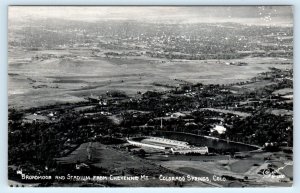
<point>260,15</point>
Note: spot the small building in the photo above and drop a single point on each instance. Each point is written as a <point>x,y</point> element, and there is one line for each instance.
<point>178,114</point>
<point>219,128</point>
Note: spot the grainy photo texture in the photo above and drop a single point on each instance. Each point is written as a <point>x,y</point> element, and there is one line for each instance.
<point>150,96</point>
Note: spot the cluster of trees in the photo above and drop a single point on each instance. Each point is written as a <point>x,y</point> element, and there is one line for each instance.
<point>39,142</point>
<point>261,128</point>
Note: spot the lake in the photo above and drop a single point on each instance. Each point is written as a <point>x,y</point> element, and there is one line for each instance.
<point>199,140</point>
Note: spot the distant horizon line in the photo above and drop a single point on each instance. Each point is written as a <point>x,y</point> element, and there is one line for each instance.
<point>159,22</point>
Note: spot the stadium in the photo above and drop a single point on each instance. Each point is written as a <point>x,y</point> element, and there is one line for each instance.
<point>174,146</point>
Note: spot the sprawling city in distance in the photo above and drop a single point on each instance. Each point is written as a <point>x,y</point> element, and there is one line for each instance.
<point>150,96</point>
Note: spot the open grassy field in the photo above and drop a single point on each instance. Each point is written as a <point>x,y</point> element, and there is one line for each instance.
<point>284,91</point>
<point>236,168</point>
<point>74,74</point>
<point>118,162</point>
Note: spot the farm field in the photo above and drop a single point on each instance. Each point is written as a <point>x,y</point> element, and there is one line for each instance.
<point>69,79</point>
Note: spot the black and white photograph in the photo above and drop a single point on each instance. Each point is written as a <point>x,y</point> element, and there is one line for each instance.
<point>150,96</point>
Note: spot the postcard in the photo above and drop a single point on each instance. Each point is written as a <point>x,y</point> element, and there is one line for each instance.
<point>150,96</point>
